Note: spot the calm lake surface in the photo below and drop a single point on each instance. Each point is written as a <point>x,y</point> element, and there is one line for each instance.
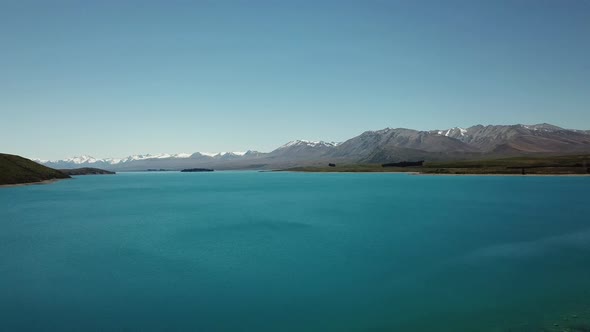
<point>249,251</point>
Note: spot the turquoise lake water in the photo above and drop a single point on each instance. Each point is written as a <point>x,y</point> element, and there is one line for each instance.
<point>249,251</point>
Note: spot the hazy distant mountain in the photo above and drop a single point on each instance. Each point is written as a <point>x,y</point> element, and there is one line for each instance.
<point>385,145</point>
<point>137,162</point>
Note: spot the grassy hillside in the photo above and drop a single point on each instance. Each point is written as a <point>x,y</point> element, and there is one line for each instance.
<point>16,169</point>
<point>577,164</point>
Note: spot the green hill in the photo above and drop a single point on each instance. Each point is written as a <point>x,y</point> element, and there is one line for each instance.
<point>16,170</point>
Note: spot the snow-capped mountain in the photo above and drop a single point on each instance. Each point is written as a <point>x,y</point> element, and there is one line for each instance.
<point>313,144</point>
<point>304,149</point>
<point>147,156</point>
<point>221,154</point>
<point>81,160</point>
<point>541,137</point>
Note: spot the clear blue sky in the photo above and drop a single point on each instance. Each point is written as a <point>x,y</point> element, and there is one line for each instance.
<point>114,78</point>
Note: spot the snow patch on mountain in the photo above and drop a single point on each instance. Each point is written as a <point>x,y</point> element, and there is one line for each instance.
<point>455,131</point>
<point>541,127</point>
<point>302,142</point>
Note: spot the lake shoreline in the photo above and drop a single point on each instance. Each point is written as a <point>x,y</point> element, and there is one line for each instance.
<point>493,174</point>
<point>433,174</point>
<point>30,183</point>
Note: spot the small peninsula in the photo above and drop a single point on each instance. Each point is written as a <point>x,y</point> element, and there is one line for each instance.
<point>85,171</point>
<point>18,170</point>
<point>190,170</point>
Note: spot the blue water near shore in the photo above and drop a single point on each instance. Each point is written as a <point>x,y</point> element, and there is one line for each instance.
<point>248,251</point>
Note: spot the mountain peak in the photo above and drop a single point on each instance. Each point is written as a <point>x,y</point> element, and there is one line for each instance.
<point>381,131</point>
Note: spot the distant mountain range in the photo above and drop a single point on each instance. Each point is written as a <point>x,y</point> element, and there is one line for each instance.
<point>381,146</point>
